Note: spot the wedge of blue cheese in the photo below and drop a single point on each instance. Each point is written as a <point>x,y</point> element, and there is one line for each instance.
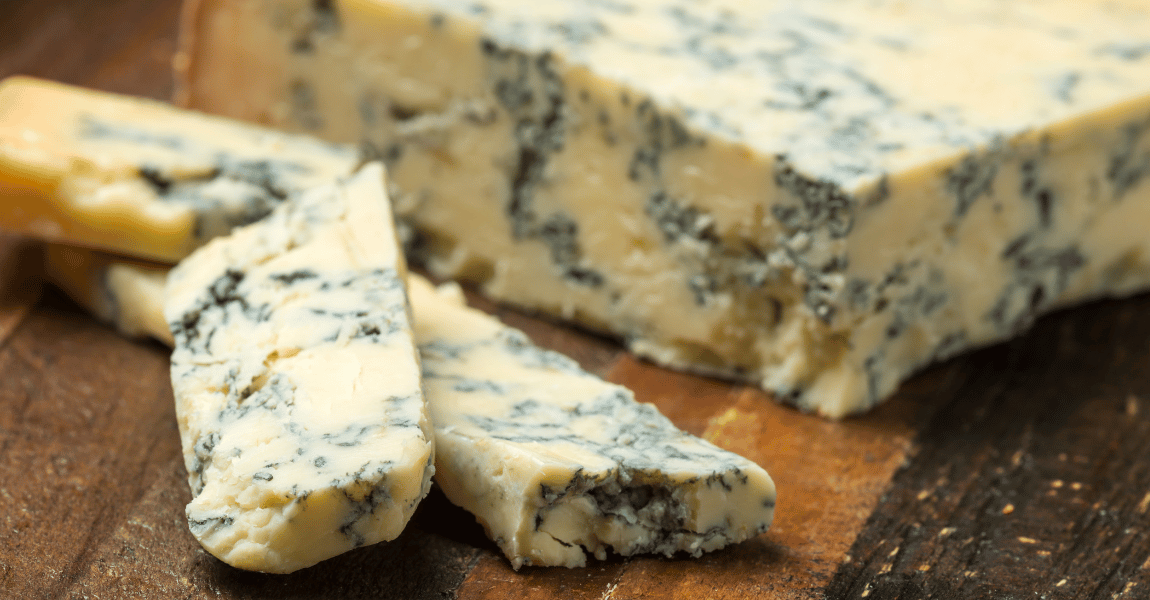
<point>297,382</point>
<point>140,177</point>
<point>819,197</point>
<point>557,465</point>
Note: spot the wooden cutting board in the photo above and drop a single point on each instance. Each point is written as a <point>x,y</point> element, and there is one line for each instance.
<point>1018,471</point>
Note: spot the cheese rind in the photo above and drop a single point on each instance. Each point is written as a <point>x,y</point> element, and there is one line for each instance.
<point>297,383</point>
<point>819,197</point>
<point>558,465</point>
<point>139,177</point>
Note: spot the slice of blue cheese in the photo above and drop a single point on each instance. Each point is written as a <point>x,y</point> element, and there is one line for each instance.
<point>297,382</point>
<point>126,294</point>
<point>820,197</point>
<point>140,177</point>
<point>557,464</point>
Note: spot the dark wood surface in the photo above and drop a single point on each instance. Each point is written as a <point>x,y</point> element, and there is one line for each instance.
<point>1018,471</point>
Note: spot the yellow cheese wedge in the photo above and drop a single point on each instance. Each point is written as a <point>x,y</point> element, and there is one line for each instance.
<point>140,177</point>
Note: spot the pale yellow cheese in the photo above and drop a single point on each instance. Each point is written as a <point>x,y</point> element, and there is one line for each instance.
<point>127,295</point>
<point>818,197</point>
<point>140,177</point>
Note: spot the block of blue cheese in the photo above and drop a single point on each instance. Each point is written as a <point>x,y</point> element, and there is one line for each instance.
<point>297,383</point>
<point>818,197</point>
<point>140,177</point>
<point>557,465</point>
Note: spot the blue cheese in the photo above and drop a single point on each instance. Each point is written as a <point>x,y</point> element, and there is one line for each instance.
<point>127,295</point>
<point>558,465</point>
<point>818,197</point>
<point>297,382</point>
<point>139,177</point>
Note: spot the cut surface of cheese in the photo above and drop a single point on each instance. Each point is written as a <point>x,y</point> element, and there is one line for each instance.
<point>297,382</point>
<point>140,177</point>
<point>557,464</point>
<point>819,197</point>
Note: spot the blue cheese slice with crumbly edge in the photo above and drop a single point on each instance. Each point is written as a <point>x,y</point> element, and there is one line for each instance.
<point>297,383</point>
<point>140,177</point>
<point>820,197</point>
<point>557,464</point>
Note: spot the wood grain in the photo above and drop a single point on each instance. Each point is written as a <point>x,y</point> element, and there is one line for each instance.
<point>1033,476</point>
<point>1017,471</point>
<point>80,439</point>
<point>19,284</point>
